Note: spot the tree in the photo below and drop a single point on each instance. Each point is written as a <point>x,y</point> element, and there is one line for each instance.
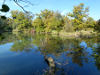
<point>5,8</point>
<point>21,20</point>
<point>67,24</point>
<point>4,25</point>
<point>48,21</point>
<point>90,23</point>
<point>38,24</point>
<point>97,26</point>
<point>78,15</point>
<point>55,22</point>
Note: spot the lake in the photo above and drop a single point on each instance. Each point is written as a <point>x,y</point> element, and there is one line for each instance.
<point>23,54</point>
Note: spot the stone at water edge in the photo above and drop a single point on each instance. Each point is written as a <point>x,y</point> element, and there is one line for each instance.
<point>50,61</point>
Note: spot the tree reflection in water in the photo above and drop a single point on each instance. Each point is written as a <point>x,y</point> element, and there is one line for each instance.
<point>63,51</point>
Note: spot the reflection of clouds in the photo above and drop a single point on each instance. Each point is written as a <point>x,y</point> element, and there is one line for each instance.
<point>89,50</point>
<point>35,47</point>
<point>95,45</point>
<point>83,44</point>
<point>66,52</point>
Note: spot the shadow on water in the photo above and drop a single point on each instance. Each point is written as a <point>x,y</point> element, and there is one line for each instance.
<point>25,54</point>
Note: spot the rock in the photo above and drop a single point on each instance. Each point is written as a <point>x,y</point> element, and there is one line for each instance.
<point>50,61</point>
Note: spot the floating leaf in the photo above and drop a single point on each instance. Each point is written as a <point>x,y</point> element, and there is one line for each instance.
<point>5,8</point>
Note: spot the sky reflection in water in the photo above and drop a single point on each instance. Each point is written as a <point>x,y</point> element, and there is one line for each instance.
<point>26,57</point>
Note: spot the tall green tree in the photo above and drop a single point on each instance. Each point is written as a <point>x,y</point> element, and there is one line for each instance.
<point>97,26</point>
<point>78,15</point>
<point>55,22</point>
<point>38,24</point>
<point>90,23</point>
<point>67,24</point>
<point>21,20</point>
<point>48,21</point>
<point>4,26</point>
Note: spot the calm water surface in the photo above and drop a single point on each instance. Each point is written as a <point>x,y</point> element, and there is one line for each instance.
<point>22,54</point>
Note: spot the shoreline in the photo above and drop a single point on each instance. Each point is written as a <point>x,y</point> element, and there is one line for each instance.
<point>80,34</point>
<point>77,34</point>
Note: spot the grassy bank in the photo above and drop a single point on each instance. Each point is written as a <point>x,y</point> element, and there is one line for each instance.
<point>79,34</point>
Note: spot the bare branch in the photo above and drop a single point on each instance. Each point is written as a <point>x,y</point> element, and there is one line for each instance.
<point>26,1</point>
<point>16,1</point>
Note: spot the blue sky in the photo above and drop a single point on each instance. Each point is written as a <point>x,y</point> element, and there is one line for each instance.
<point>63,6</point>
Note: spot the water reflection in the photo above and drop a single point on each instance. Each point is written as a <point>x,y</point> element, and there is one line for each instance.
<point>73,56</point>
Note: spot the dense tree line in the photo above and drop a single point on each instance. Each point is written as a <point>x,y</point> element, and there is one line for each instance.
<point>97,27</point>
<point>51,21</point>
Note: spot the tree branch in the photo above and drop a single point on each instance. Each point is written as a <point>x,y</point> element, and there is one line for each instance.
<point>16,1</point>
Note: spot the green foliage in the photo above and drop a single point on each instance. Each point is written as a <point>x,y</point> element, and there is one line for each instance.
<point>90,23</point>
<point>3,25</point>
<point>21,20</point>
<point>56,22</point>
<point>67,24</point>
<point>26,23</point>
<point>78,15</point>
<point>38,24</point>
<point>48,20</point>
<point>97,27</point>
<point>5,8</point>
<point>3,17</point>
